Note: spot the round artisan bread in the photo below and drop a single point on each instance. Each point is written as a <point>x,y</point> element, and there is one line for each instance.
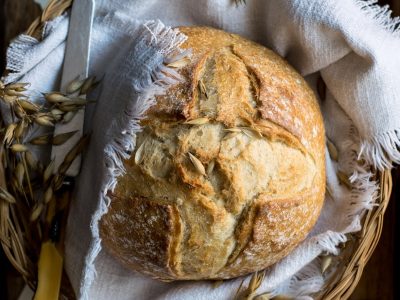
<point>228,174</point>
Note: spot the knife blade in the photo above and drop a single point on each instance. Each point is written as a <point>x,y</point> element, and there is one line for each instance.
<point>76,66</point>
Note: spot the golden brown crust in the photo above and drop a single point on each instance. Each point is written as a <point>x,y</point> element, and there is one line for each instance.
<point>271,230</point>
<point>263,151</point>
<point>148,229</point>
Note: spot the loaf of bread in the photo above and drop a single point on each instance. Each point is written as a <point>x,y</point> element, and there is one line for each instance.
<point>228,175</point>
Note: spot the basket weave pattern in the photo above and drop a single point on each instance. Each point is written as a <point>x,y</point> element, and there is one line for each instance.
<point>355,254</point>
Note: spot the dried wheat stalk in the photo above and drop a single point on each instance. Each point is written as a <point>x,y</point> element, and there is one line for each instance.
<point>26,187</point>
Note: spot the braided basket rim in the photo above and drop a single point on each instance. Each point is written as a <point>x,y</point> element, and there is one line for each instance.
<point>363,243</point>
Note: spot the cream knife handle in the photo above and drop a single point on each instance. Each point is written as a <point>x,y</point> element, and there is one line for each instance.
<point>76,64</point>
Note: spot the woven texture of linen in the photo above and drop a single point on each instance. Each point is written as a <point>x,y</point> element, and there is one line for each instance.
<point>351,44</point>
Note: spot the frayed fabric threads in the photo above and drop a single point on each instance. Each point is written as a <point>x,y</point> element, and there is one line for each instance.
<point>140,81</point>
<point>16,53</point>
<point>351,205</point>
<point>381,151</point>
<point>354,63</point>
<point>379,142</point>
<point>26,53</point>
<point>381,14</point>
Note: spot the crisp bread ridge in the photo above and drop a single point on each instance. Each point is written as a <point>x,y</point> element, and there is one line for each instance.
<point>263,195</point>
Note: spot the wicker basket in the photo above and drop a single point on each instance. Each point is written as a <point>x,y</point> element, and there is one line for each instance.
<point>356,252</point>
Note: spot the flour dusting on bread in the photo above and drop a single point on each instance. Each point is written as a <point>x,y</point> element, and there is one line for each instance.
<point>228,175</point>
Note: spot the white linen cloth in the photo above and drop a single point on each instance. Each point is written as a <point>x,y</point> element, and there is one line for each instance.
<point>351,44</point>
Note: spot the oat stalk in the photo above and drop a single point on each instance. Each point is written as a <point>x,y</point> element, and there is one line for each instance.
<point>249,293</point>
<point>23,177</point>
<point>239,2</point>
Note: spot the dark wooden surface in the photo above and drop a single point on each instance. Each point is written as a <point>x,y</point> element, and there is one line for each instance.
<point>2,35</point>
<point>15,17</point>
<point>378,280</point>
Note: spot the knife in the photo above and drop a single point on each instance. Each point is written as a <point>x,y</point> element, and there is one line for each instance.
<point>76,65</point>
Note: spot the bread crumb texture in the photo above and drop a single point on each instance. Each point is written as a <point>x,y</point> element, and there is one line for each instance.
<point>257,186</point>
